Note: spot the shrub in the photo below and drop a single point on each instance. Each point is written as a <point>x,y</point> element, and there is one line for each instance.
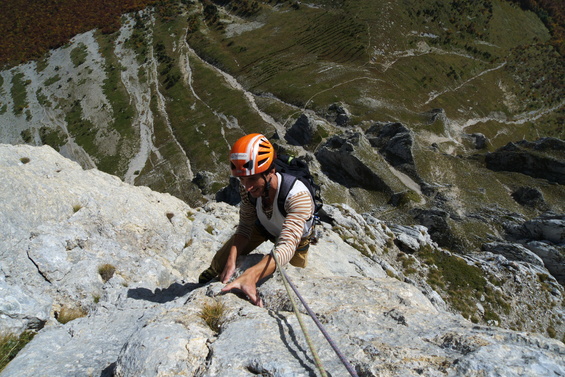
<point>106,271</point>
<point>551,332</point>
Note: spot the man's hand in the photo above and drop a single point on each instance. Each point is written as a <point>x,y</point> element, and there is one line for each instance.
<point>247,284</point>
<point>227,273</point>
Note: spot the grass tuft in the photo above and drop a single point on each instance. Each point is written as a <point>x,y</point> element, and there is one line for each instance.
<point>66,314</point>
<point>11,344</point>
<point>106,271</point>
<point>213,314</point>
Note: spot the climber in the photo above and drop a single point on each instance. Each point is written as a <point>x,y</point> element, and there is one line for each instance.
<point>252,161</point>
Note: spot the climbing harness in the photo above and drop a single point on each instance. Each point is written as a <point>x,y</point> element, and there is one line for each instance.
<point>289,285</point>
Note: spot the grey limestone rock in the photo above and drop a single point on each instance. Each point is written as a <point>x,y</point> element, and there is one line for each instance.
<point>146,319</point>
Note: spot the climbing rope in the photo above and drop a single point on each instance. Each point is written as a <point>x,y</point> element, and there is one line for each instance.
<point>317,359</point>
<point>288,283</point>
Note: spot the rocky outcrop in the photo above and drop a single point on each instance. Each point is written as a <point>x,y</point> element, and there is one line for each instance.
<point>338,114</point>
<point>60,224</point>
<point>230,193</point>
<point>394,142</point>
<point>540,159</point>
<point>348,159</point>
<point>545,237</point>
<point>302,132</point>
<point>480,141</point>
<point>513,252</point>
<point>437,221</point>
<point>341,163</point>
<point>529,196</point>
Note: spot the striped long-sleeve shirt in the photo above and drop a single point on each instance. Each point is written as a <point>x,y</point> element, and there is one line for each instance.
<point>288,230</point>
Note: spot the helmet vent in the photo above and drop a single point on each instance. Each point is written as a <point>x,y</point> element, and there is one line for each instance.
<point>248,165</point>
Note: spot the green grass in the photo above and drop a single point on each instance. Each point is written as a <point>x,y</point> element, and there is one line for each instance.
<point>52,80</point>
<point>19,94</point>
<point>123,113</point>
<point>11,344</point>
<point>463,285</point>
<point>79,55</point>
<point>83,130</point>
<point>54,138</point>
<point>43,99</point>
<point>453,275</point>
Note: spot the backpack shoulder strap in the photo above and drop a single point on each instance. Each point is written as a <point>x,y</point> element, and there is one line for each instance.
<point>286,183</point>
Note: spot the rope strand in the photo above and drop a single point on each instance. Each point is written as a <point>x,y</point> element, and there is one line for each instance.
<point>288,282</point>
<point>317,359</point>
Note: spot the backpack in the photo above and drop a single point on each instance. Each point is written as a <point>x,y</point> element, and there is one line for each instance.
<point>291,169</point>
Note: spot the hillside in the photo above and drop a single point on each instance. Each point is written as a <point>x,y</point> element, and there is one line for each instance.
<point>447,115</point>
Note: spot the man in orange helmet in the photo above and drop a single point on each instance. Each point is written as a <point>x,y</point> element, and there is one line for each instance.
<point>252,160</point>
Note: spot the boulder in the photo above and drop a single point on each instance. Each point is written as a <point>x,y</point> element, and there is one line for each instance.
<point>437,220</point>
<point>342,161</point>
<point>543,158</point>
<point>549,227</point>
<point>338,114</point>
<point>411,239</point>
<point>480,140</point>
<point>529,196</point>
<point>302,131</point>
<point>394,141</point>
<point>553,257</point>
<point>512,251</point>
<point>230,193</point>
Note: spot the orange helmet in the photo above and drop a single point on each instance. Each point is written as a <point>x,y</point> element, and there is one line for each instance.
<point>251,154</point>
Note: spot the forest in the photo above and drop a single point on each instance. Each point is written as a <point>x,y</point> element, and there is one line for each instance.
<point>30,29</point>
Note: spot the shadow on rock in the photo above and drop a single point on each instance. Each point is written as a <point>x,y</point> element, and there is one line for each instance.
<point>161,296</point>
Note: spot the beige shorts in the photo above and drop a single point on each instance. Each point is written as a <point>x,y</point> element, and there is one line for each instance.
<point>300,258</point>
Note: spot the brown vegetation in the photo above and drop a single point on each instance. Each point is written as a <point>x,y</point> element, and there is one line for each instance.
<point>30,29</point>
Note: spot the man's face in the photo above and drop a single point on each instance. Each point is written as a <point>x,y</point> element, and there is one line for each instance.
<point>254,184</point>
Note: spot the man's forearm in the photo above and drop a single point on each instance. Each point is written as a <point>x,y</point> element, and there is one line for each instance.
<point>264,268</point>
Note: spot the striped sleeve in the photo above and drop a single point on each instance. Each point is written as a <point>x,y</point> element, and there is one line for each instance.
<point>300,208</point>
<point>247,215</point>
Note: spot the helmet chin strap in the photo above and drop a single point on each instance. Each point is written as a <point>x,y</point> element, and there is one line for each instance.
<point>267,187</point>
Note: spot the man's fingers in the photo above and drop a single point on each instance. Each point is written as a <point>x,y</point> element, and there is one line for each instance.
<point>228,287</point>
<point>251,294</point>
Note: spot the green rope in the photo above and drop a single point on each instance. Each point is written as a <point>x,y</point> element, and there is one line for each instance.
<point>299,317</point>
